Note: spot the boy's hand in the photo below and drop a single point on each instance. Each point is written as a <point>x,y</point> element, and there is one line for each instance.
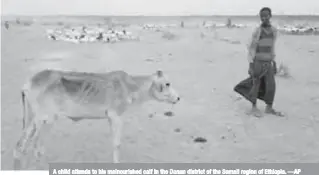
<point>274,64</point>
<point>250,69</point>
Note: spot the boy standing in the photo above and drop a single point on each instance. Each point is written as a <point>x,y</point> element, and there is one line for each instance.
<point>262,66</point>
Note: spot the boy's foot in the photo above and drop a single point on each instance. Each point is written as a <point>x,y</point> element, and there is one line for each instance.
<point>270,110</point>
<point>255,112</point>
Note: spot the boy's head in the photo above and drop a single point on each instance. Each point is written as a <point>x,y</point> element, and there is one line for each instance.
<point>265,15</point>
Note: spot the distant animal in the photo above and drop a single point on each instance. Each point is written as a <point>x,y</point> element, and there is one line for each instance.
<point>229,23</point>
<point>53,94</point>
<point>18,21</point>
<point>6,25</point>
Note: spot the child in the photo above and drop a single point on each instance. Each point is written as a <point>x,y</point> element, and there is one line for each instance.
<point>262,66</point>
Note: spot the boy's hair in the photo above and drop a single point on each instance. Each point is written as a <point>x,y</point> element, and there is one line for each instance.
<point>265,9</point>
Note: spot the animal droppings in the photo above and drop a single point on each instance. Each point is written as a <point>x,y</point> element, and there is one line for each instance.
<point>200,140</point>
<point>168,113</point>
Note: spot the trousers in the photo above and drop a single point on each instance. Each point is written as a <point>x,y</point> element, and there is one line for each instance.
<point>260,85</point>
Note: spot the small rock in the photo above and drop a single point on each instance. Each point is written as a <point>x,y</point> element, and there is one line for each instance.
<point>168,113</point>
<point>234,135</point>
<point>200,140</point>
<point>28,59</point>
<point>151,115</point>
<point>238,98</point>
<point>152,59</point>
<point>177,130</point>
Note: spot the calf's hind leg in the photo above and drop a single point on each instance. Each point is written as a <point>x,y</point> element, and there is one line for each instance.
<point>27,138</point>
<point>46,126</point>
<point>116,127</point>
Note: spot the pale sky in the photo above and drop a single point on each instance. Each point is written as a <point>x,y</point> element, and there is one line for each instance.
<point>156,7</point>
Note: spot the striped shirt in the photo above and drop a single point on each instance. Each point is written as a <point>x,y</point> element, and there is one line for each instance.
<point>262,44</point>
<point>265,45</point>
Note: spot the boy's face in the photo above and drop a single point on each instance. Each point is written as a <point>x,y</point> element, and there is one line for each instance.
<point>265,17</point>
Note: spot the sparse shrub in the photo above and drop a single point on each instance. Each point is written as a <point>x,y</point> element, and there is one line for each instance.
<point>204,23</point>
<point>27,23</point>
<point>283,71</point>
<point>182,24</point>
<point>168,35</point>
<point>60,23</point>
<point>6,25</point>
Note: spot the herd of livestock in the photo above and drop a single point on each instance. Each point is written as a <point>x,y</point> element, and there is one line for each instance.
<point>85,34</point>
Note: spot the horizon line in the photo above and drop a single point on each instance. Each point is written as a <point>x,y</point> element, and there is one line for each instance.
<point>191,15</point>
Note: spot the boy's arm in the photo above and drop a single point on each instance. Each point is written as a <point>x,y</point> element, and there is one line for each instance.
<point>252,45</point>
<point>275,32</point>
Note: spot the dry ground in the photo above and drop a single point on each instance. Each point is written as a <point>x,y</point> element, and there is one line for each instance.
<point>204,69</point>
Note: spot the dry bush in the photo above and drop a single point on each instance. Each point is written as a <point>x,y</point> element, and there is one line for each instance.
<point>283,71</point>
<point>168,35</point>
<point>6,24</point>
<point>60,23</point>
<point>27,23</point>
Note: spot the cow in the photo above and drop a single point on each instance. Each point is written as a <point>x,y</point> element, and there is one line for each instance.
<point>53,94</point>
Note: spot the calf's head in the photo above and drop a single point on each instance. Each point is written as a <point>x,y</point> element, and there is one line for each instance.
<point>162,90</point>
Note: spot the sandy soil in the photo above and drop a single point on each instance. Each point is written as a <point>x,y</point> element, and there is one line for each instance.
<point>204,68</point>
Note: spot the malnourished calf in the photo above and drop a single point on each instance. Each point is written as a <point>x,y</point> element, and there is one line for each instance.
<point>52,94</point>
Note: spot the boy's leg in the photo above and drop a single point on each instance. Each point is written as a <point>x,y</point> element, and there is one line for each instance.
<point>270,91</point>
<point>254,93</point>
<point>256,72</point>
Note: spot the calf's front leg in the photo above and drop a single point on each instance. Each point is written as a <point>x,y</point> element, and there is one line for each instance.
<point>116,127</point>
